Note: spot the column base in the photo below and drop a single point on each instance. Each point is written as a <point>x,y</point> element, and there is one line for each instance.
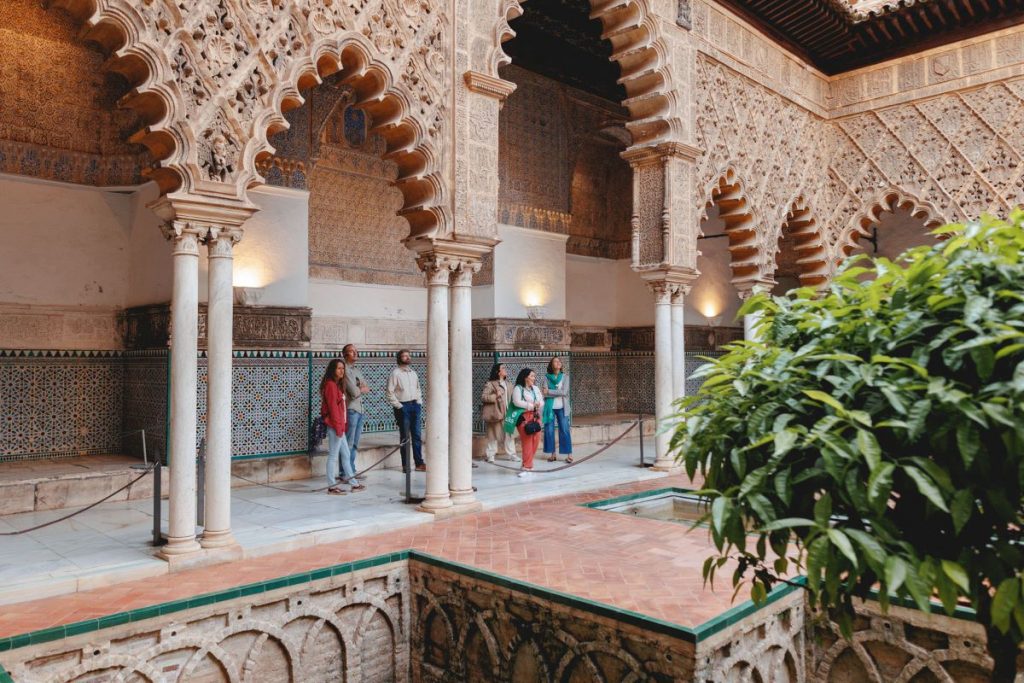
<point>217,539</point>
<point>668,466</point>
<point>176,547</point>
<point>435,504</point>
<point>464,498</point>
<point>459,510</point>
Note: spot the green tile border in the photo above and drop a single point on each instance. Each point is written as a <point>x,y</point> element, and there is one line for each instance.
<point>599,504</point>
<point>4,676</point>
<point>743,610</point>
<point>161,609</point>
<point>567,599</point>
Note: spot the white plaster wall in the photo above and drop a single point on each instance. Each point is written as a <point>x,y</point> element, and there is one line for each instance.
<point>330,298</point>
<point>274,252</point>
<point>150,269</point>
<point>713,295</point>
<point>606,293</point>
<point>529,265</point>
<point>483,301</point>
<point>63,245</point>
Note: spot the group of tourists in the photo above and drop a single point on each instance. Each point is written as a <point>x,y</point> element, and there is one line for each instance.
<point>534,411</point>
<point>530,410</point>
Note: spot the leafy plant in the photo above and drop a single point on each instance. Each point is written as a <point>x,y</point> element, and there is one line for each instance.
<point>873,439</point>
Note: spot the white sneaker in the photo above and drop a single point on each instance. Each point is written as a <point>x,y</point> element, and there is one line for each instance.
<point>525,474</point>
<point>514,458</point>
<point>489,458</point>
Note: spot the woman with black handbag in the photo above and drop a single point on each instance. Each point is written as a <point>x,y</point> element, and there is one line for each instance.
<point>528,401</point>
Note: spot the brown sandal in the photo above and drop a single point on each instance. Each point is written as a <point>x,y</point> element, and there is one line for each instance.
<point>553,458</point>
<point>336,491</point>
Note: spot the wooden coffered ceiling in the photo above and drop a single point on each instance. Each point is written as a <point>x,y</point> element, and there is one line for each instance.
<point>558,39</point>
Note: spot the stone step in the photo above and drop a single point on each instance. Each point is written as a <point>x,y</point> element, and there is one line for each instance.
<point>68,484</point>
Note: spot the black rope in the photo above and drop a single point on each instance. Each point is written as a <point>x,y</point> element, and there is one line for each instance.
<point>322,488</point>
<point>578,461</point>
<point>85,509</point>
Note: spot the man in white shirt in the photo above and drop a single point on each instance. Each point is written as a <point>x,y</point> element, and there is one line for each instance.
<point>404,395</point>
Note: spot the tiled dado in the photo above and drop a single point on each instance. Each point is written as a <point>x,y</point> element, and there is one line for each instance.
<point>374,618</point>
<point>70,403</point>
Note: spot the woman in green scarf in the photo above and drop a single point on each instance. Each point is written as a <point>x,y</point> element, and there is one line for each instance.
<point>556,411</point>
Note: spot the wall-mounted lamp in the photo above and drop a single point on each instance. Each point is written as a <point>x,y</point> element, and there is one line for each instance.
<point>248,296</point>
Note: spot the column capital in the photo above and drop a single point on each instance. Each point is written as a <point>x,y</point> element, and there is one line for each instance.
<point>463,272</point>
<point>747,289</point>
<point>481,83</point>
<point>679,292</point>
<point>654,154</point>
<point>437,267</point>
<point>662,291</point>
<point>221,241</point>
<point>205,217</point>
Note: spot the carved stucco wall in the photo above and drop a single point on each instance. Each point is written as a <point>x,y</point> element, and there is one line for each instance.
<point>950,156</point>
<point>559,165</point>
<point>60,120</point>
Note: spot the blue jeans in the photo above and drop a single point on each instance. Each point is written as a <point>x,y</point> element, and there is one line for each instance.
<point>564,439</point>
<point>408,419</point>
<point>353,432</point>
<point>336,445</point>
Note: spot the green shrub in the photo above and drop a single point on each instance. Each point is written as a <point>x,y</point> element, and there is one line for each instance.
<point>874,437</point>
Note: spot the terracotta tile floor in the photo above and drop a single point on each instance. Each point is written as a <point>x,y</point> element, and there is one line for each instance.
<point>647,566</point>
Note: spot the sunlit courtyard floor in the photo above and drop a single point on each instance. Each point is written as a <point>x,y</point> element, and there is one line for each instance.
<point>112,542</point>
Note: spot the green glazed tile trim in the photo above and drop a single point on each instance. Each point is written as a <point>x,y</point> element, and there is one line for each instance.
<point>4,676</point>
<point>264,456</point>
<point>161,609</point>
<point>598,608</point>
<point>745,609</point>
<point>633,496</point>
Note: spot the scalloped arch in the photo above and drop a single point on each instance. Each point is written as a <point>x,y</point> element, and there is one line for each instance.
<point>633,30</point>
<point>212,81</point>
<point>747,255</point>
<point>885,201</point>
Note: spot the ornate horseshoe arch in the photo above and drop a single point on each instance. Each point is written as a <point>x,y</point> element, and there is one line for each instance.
<point>212,78</point>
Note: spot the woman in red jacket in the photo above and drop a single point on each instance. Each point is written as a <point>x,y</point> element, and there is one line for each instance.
<point>332,410</point>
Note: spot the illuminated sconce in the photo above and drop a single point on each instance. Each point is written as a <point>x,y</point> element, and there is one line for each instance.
<point>248,296</point>
<point>533,299</point>
<point>711,313</point>
<point>536,312</point>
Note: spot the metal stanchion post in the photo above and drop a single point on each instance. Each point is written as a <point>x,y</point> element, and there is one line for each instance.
<point>201,484</point>
<point>640,426</point>
<point>158,538</point>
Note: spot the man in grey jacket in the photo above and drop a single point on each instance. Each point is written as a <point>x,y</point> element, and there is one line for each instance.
<point>355,388</point>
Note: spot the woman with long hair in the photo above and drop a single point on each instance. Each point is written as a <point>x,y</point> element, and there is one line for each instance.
<point>528,401</point>
<point>556,411</point>
<point>332,410</point>
<point>495,397</point>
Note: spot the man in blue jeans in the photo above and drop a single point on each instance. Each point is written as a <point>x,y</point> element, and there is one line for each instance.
<point>355,388</point>
<point>405,397</point>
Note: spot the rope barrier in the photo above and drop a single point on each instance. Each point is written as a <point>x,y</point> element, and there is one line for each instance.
<point>105,498</point>
<point>322,488</point>
<point>577,461</point>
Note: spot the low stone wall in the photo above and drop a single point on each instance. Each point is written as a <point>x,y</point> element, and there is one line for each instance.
<point>409,616</point>
<point>468,629</point>
<point>350,627</point>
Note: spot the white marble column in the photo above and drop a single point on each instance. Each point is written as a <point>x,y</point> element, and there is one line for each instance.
<point>181,537</point>
<point>750,321</point>
<point>460,459</point>
<point>217,525</point>
<point>438,271</point>
<point>663,371</point>
<point>679,293</point>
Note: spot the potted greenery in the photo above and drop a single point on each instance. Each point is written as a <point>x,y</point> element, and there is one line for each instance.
<point>873,438</point>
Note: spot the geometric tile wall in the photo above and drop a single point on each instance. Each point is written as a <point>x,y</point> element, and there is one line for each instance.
<point>145,403</point>
<point>60,403</point>
<point>64,403</point>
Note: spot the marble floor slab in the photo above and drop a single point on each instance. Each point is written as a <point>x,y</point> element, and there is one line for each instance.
<point>112,542</point>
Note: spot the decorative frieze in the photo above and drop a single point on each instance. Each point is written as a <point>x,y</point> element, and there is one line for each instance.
<point>506,334</point>
<point>148,327</point>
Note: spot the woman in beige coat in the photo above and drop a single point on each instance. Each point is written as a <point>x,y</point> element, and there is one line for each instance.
<point>495,397</point>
